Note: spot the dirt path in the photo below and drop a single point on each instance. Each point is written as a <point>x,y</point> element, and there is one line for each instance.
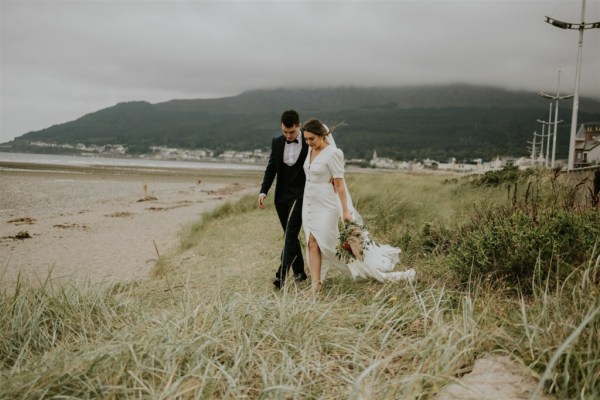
<point>494,378</point>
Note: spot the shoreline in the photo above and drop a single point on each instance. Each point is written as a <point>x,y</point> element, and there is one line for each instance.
<point>133,162</point>
<point>106,169</point>
<point>102,223</point>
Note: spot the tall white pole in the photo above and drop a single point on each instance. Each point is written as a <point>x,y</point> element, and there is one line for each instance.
<point>545,158</point>
<point>533,150</point>
<point>542,144</point>
<point>571,164</point>
<point>555,120</point>
<point>548,141</point>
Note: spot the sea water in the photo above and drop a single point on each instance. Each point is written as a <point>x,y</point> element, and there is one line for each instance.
<point>57,159</point>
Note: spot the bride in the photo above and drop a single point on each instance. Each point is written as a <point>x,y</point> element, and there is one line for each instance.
<point>324,205</point>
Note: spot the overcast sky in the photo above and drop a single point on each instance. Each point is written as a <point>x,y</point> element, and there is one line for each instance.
<point>63,59</point>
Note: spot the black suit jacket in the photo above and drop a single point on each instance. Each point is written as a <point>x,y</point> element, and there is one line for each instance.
<point>290,179</point>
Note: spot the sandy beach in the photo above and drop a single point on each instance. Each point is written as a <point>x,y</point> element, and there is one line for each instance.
<point>100,223</point>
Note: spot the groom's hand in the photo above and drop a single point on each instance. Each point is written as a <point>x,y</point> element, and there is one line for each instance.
<point>261,200</point>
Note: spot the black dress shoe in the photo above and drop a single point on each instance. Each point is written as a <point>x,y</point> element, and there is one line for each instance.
<point>300,277</point>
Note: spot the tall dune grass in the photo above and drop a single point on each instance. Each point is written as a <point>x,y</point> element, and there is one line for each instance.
<point>211,326</point>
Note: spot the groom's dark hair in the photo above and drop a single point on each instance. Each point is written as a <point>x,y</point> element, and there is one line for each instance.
<point>290,118</point>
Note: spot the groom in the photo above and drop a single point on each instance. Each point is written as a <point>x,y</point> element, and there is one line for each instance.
<point>286,162</point>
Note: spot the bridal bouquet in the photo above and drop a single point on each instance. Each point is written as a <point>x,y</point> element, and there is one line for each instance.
<point>351,242</point>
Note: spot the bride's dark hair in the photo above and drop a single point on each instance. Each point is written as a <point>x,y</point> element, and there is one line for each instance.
<point>315,126</point>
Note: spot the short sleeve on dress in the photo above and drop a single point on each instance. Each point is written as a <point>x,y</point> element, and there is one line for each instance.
<point>336,164</point>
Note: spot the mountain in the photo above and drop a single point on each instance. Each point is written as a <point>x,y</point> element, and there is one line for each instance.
<point>438,122</point>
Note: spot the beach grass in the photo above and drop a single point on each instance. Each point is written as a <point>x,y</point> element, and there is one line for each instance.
<point>209,324</point>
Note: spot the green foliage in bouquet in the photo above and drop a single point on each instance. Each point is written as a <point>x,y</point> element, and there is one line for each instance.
<point>352,242</point>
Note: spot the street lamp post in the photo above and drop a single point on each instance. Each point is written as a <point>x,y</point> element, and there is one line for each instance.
<point>546,135</point>
<point>533,146</point>
<point>581,27</point>
<point>556,98</point>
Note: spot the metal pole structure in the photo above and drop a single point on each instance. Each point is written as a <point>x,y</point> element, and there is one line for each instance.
<point>571,164</point>
<point>555,121</point>
<point>581,27</point>
<point>533,150</point>
<point>536,157</point>
<point>542,142</point>
<point>557,98</point>
<point>548,135</point>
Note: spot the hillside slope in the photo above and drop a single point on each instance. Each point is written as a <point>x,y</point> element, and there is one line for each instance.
<point>459,121</point>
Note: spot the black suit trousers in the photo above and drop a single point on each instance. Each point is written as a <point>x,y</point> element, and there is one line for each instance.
<point>290,215</point>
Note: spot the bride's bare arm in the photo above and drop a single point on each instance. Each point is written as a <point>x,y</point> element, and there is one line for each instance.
<point>340,189</point>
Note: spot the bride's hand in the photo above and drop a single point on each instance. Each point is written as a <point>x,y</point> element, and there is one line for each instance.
<point>347,216</point>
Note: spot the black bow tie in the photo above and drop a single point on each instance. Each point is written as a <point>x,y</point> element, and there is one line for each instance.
<point>292,141</point>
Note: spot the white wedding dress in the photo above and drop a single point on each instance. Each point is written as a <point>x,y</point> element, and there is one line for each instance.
<point>321,212</point>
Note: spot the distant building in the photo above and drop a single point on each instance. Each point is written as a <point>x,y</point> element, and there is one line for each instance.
<point>383,162</point>
<point>496,163</point>
<point>587,145</point>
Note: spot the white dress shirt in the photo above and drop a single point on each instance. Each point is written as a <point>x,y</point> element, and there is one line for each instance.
<point>291,151</point>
